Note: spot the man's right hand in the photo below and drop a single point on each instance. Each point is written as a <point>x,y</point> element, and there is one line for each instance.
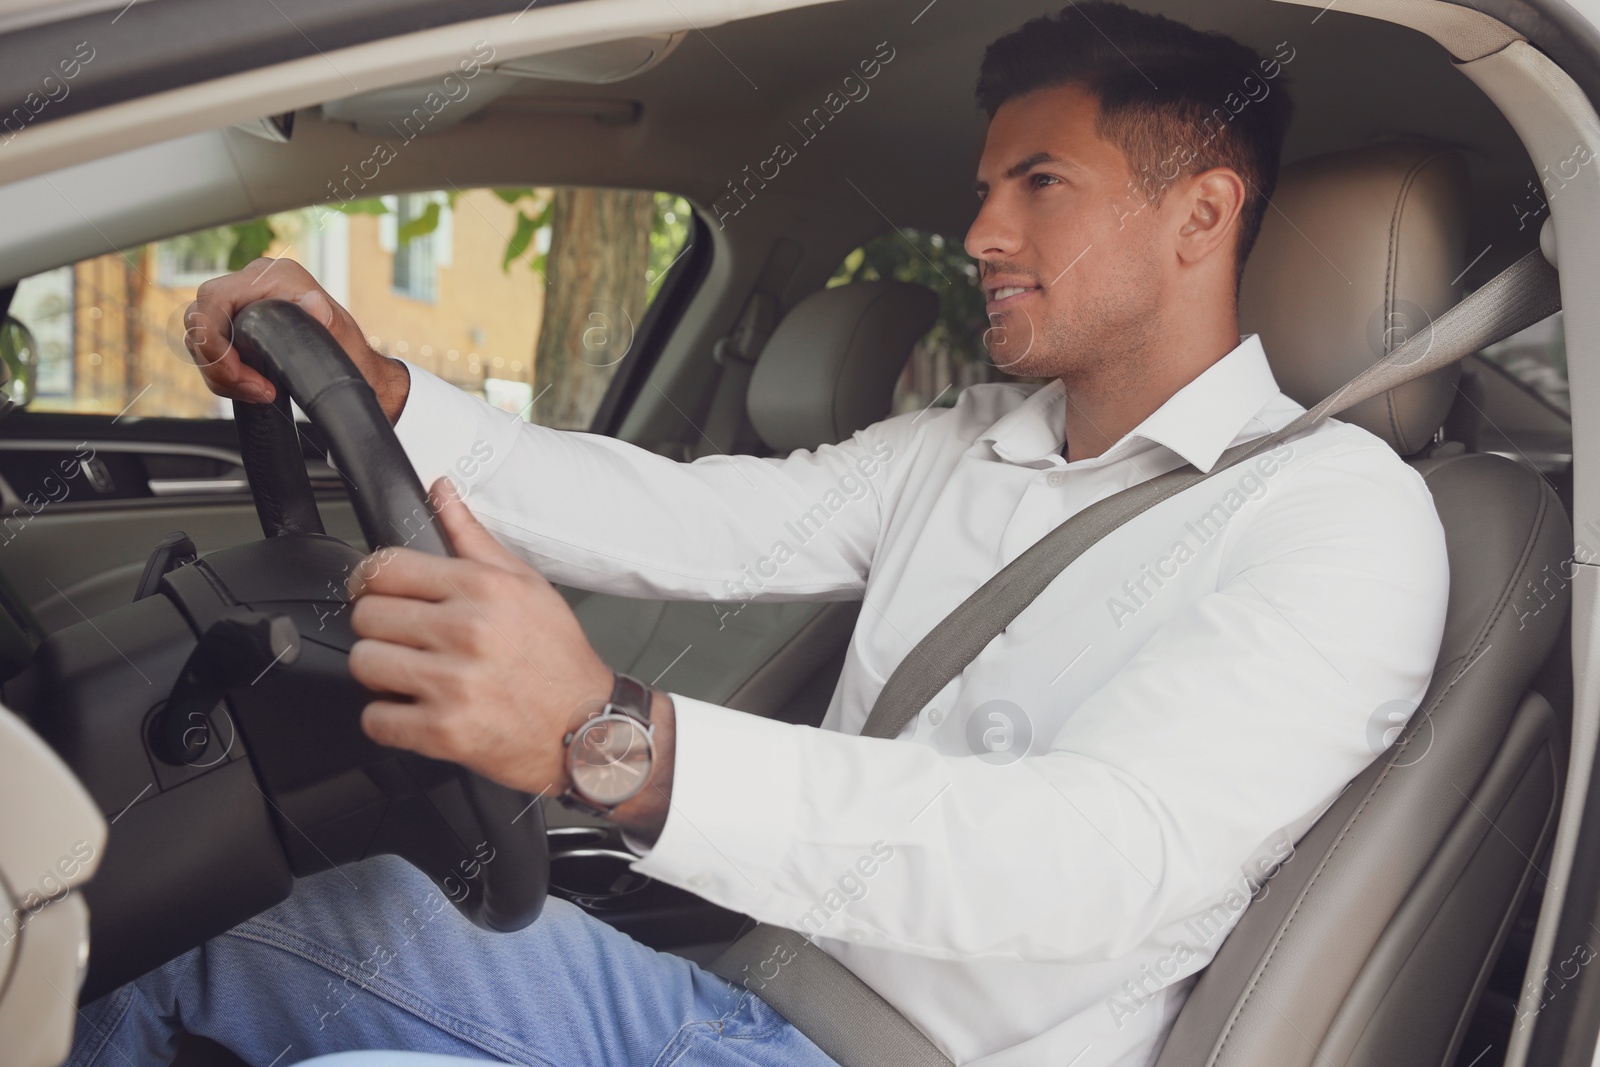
<point>208,333</point>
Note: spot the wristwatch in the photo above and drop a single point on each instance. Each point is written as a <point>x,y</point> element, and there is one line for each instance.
<point>610,754</point>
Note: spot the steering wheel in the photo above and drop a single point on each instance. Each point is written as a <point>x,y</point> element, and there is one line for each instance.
<point>499,857</point>
<point>214,719</point>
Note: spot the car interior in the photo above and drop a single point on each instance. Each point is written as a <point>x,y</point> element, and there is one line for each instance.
<point>1406,925</point>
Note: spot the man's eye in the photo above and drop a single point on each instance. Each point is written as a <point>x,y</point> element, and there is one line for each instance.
<point>1043,179</point>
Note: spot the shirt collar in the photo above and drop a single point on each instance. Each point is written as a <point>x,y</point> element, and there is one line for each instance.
<point>1198,422</point>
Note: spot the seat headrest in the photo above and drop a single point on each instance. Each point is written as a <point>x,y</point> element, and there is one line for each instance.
<point>830,366</point>
<point>1358,252</point>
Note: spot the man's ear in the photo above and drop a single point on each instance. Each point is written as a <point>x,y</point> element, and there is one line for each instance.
<point>1210,209</point>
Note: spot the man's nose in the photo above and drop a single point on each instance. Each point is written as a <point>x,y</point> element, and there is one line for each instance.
<point>994,234</point>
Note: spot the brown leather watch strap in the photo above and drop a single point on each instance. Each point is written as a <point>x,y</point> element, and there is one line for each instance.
<point>630,696</point>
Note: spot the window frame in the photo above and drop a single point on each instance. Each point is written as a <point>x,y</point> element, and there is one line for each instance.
<point>656,328</point>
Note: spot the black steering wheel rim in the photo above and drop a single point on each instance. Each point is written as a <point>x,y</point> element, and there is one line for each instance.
<point>506,890</point>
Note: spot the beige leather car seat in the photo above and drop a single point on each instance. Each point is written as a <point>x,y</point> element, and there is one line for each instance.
<point>1378,935</point>
<point>830,367</point>
<point>828,370</point>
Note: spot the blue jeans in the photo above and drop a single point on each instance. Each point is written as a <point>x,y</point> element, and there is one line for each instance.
<point>373,956</point>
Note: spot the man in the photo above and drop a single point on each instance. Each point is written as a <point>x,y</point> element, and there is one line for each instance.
<point>1036,869</point>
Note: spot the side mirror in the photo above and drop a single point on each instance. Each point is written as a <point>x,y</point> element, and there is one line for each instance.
<point>19,363</point>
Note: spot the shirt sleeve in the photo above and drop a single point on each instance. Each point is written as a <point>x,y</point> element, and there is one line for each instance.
<point>1245,713</point>
<point>605,515</point>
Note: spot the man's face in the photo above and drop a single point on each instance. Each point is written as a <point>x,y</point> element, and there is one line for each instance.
<point>1071,256</point>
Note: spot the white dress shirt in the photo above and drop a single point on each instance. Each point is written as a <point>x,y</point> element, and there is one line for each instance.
<point>1033,872</point>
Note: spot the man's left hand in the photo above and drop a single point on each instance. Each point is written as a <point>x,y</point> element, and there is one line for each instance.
<point>494,661</point>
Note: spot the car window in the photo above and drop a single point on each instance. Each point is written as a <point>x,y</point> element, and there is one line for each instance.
<point>1537,357</point>
<point>951,356</point>
<point>528,297</point>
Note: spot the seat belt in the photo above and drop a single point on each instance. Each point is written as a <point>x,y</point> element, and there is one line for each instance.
<point>1521,295</point>
<point>819,995</point>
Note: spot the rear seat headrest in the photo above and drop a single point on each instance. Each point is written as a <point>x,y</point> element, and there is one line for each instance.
<point>1358,251</point>
<point>830,366</point>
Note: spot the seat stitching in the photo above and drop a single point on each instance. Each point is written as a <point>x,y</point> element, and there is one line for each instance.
<point>1392,270</point>
<point>1536,527</point>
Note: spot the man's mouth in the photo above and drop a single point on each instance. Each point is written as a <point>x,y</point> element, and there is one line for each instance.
<point>1002,296</point>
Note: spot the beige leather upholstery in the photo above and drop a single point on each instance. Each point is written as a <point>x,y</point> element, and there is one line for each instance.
<point>830,367</point>
<point>828,370</point>
<point>1359,251</point>
<point>1376,938</point>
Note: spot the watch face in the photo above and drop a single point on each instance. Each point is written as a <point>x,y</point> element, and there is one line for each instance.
<point>609,759</point>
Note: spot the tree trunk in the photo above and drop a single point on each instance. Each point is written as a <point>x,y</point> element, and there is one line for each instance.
<point>134,284</point>
<point>594,297</point>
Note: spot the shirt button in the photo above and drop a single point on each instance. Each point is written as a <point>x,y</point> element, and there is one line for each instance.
<point>1056,478</point>
<point>698,881</point>
<point>935,716</point>
<point>854,935</point>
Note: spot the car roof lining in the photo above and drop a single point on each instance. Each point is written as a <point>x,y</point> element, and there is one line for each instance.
<point>175,43</point>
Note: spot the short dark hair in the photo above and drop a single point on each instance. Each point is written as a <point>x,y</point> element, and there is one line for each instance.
<point>1166,90</point>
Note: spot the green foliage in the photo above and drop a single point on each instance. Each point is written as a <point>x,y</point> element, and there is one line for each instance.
<point>943,266</point>
<point>243,242</point>
<point>20,353</point>
<point>420,226</point>
<point>210,247</point>
<point>519,241</point>
<point>232,246</point>
<point>669,231</point>
<point>535,208</point>
<point>250,241</point>
<point>369,206</point>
